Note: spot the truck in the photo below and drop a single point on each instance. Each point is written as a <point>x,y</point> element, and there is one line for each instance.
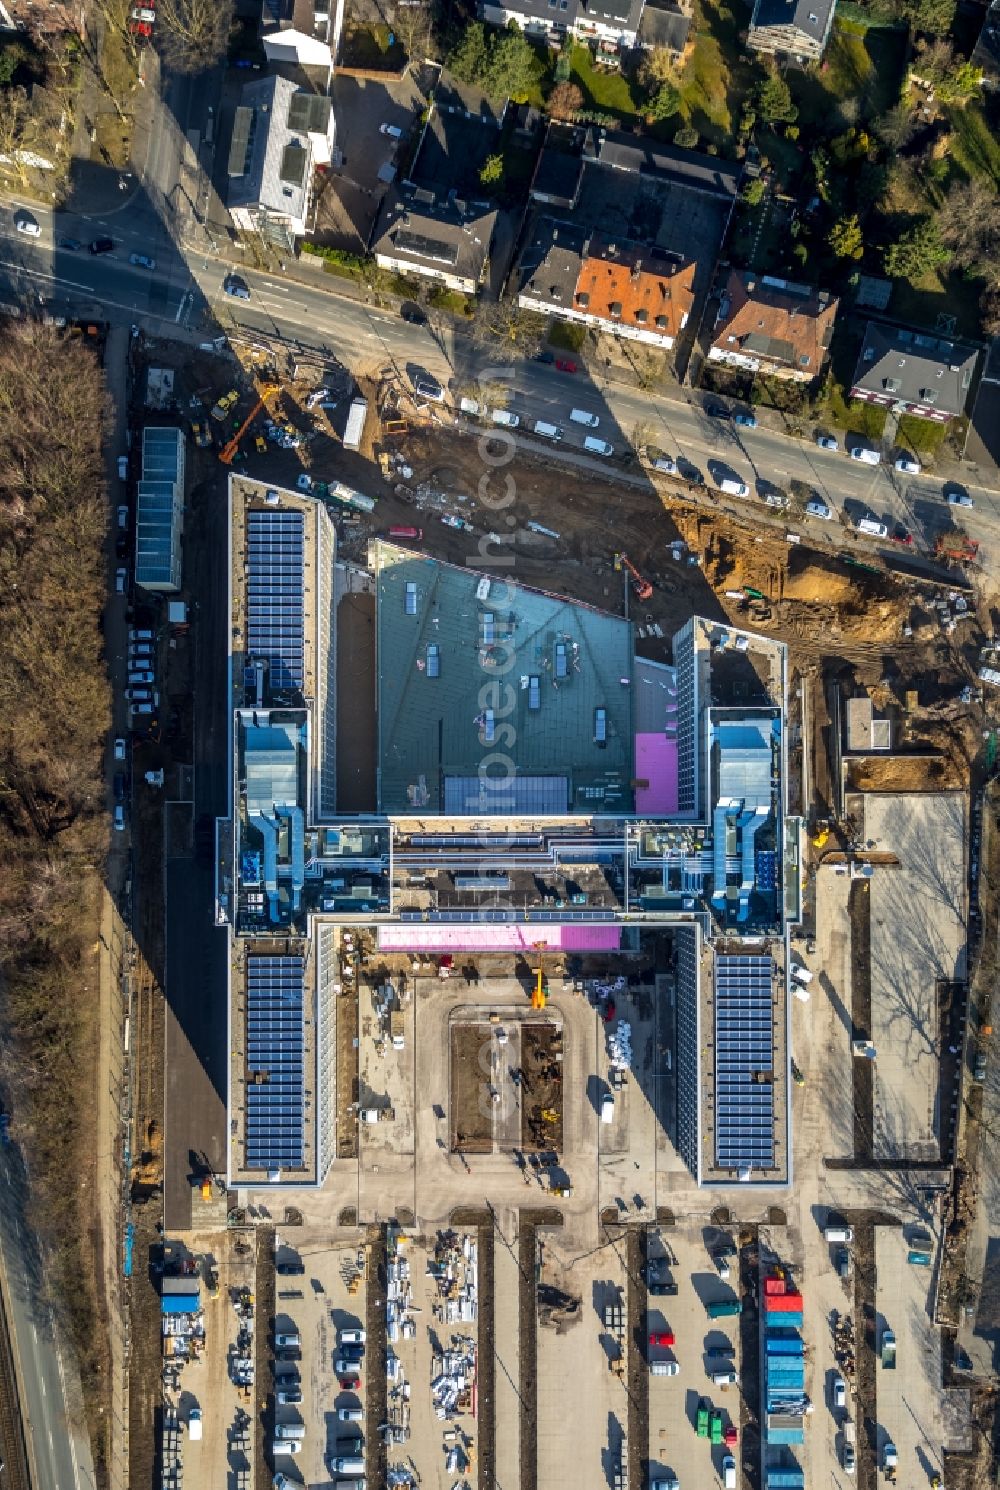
<point>355,428</point>
<point>888,1350</point>
<point>919,1257</point>
<point>194,1423</point>
<point>725,1309</point>
<point>349,497</point>
<point>701,1422</point>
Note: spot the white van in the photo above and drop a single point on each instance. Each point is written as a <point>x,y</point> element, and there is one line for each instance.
<point>725,1378</point>
<point>839,1234</point>
<point>875,529</point>
<point>608,1108</point>
<point>504,416</point>
<point>352,1464</point>
<point>583,416</point>
<point>734,488</point>
<point>728,1472</point>
<point>469,406</point>
<point>290,1430</point>
<point>548,431</point>
<point>596,446</point>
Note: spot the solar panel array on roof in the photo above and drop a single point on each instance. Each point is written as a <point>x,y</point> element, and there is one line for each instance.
<point>275,1119</point>
<point>423,247</point>
<point>744,1062</point>
<point>275,627</point>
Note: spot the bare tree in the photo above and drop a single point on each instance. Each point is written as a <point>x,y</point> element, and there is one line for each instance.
<point>193,34</point>
<point>969,219</point>
<point>507,330</point>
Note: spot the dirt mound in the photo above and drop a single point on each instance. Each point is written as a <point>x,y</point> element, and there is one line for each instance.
<point>821,584</point>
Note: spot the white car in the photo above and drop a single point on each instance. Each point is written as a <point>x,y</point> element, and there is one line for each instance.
<point>504,416</point>
<point>907,464</point>
<point>839,1391</point>
<point>819,509</point>
<point>119,818</point>
<point>119,751</point>
<point>121,580</point>
<point>866,456</point>
<point>304,482</point>
<point>142,676</point>
<point>27,225</point>
<point>392,130</point>
<point>960,499</point>
<point>827,442</point>
<point>608,1108</point>
<point>665,464</point>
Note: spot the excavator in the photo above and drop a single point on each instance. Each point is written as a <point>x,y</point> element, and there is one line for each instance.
<point>540,996</point>
<point>265,393</point>
<point>640,585</point>
<point>956,545</point>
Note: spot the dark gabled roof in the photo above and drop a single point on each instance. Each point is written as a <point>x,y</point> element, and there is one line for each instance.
<point>916,368</point>
<point>454,97</point>
<point>664,25</point>
<point>647,157</point>
<point>430,234</point>
<point>811,17</point>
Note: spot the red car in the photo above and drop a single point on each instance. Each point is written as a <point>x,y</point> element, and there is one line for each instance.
<point>350,1383</point>
<point>902,535</point>
<point>664,1337</point>
<point>564,365</point>
<point>730,1436</point>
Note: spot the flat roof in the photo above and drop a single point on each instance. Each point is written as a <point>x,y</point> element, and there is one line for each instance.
<point>479,676</point>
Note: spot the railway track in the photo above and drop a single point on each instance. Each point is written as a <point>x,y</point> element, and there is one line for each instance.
<point>13,1448</point>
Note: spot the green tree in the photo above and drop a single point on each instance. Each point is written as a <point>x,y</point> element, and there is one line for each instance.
<point>846,239</point>
<point>492,170</point>
<point>774,101</point>
<point>664,103</point>
<point>687,137</point>
<point>916,251</point>
<point>658,66</point>
<point>469,60</point>
<point>512,65</point>
<point>932,17</point>
<point>753,192</point>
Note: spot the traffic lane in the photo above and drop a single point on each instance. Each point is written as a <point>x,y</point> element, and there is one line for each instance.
<point>44,1405</point>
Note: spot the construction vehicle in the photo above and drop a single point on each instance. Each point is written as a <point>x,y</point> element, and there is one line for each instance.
<point>957,546</point>
<point>266,392</point>
<point>226,402</point>
<point>540,995</point>
<point>701,1422</point>
<point>641,586</point>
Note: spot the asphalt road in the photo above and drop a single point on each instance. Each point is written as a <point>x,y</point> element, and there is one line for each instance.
<point>188,294</point>
<point>58,1449</point>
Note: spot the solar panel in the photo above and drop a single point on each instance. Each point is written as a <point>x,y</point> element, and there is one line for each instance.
<point>275,1089</point>
<point>744,1063</point>
<point>275,627</point>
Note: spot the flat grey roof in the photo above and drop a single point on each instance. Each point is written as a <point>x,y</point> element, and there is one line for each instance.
<point>455,648</point>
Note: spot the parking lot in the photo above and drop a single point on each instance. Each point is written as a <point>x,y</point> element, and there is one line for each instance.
<point>912,1411</point>
<point>318,1304</point>
<point>683,1258</point>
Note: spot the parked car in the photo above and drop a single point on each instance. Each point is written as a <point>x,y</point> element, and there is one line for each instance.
<point>119,818</point>
<point>139,695</point>
<point>236,287</point>
<point>393,131</point>
<point>119,748</point>
<point>827,442</point>
<point>142,261</point>
<point>102,245</point>
<point>748,421</point>
<point>351,1337</point>
<point>123,516</point>
<point>661,1337</point>
<point>413,314</point>
<point>288,1340</point>
<point>907,464</point>
<point>902,535</point>
<point>291,1268</point>
<point>839,1390</point>
<point>816,508</point>
<point>545,358</point>
<point>142,676</point>
<point>716,411</point>
<point>426,388</point>
<point>348,1380</point>
<point>866,456</point>
<point>957,496</point>
<point>563,364</point>
<point>351,1414</point>
<point>850,1461</point>
<point>28,225</point>
<point>121,580</point>
<point>288,1396</point>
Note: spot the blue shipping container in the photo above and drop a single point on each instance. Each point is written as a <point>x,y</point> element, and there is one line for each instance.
<point>179,1303</point>
<point>785,1344</point>
<point>792,1321</point>
<point>785,1479</point>
<point>785,1435</point>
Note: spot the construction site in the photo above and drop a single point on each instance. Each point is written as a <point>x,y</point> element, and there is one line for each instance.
<point>490,1163</point>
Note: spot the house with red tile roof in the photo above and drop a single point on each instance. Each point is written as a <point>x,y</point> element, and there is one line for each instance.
<point>773,326</point>
<point>612,285</point>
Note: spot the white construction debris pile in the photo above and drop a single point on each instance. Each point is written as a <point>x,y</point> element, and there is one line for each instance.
<point>620,1045</point>
<point>453,1377</point>
<point>454,1268</point>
